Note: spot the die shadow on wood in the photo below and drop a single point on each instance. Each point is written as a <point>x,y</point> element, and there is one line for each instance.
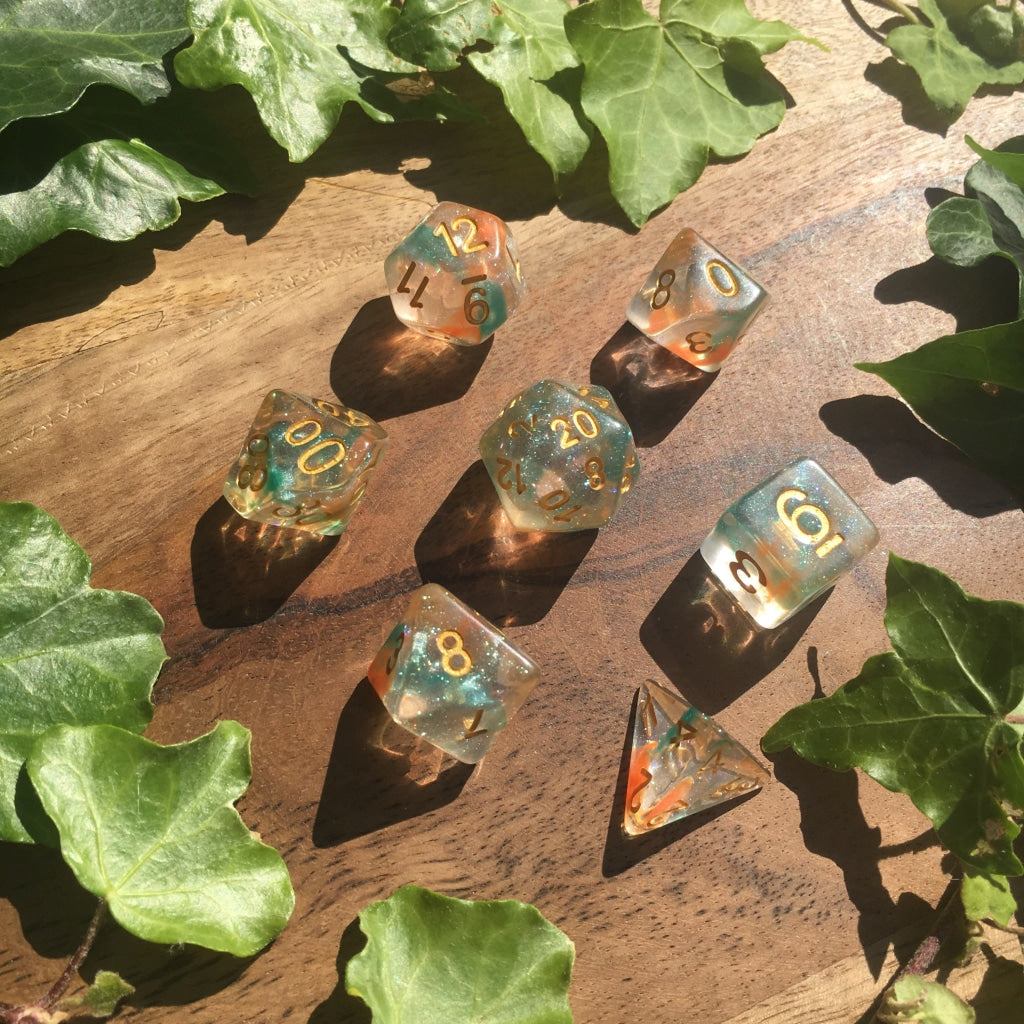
<point>622,851</point>
<point>511,577</point>
<point>898,446</point>
<point>380,774</point>
<point>385,370</point>
<point>243,571</point>
<point>652,387</point>
<point>707,646</point>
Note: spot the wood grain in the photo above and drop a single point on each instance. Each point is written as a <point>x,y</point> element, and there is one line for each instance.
<point>130,375</point>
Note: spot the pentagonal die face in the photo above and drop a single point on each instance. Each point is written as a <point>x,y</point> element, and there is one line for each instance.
<point>456,275</point>
<point>305,464</point>
<point>448,675</point>
<point>560,457</point>
<point>696,303</point>
<point>778,547</point>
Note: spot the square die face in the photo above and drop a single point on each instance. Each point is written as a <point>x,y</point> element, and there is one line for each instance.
<point>561,458</point>
<point>305,464</point>
<point>456,275</point>
<point>696,303</point>
<point>448,675</point>
<point>782,544</point>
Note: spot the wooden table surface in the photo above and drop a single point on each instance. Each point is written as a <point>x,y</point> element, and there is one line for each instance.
<point>131,372</point>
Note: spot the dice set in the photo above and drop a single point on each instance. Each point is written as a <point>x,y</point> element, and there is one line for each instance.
<point>561,458</point>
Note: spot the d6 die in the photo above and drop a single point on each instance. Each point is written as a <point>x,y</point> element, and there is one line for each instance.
<point>561,457</point>
<point>305,463</point>
<point>778,547</point>
<point>456,275</point>
<point>448,675</point>
<point>696,302</point>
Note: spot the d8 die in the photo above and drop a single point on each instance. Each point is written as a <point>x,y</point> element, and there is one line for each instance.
<point>560,457</point>
<point>696,302</point>
<point>456,275</point>
<point>448,675</point>
<point>778,547</point>
<point>305,463</point>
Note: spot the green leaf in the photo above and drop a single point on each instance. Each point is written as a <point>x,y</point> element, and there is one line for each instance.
<point>664,96</point>
<point>915,1000</point>
<point>68,653</point>
<point>987,897</point>
<point>301,60</point>
<point>930,718</point>
<point>431,959</point>
<point>950,63</point>
<point>51,52</point>
<point>106,991</point>
<point>969,387</point>
<point>152,831</point>
<point>528,55</point>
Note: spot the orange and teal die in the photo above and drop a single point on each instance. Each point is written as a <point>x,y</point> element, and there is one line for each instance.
<point>447,674</point>
<point>456,275</point>
<point>785,542</point>
<point>696,302</point>
<point>560,457</point>
<point>305,463</point>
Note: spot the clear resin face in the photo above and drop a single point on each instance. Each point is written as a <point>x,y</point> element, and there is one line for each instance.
<point>696,303</point>
<point>793,536</point>
<point>560,457</point>
<point>682,762</point>
<point>305,464</point>
<point>448,675</point>
<point>456,275</point>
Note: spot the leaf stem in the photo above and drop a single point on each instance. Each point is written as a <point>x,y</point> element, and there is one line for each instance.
<point>903,9</point>
<point>1011,929</point>
<point>61,985</point>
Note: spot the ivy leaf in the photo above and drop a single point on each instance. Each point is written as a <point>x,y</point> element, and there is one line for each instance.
<point>663,94</point>
<point>950,61</point>
<point>152,830</point>
<point>302,61</point>
<point>106,991</point>
<point>432,959</point>
<point>50,53</point>
<point>987,897</point>
<point>68,653</point>
<point>527,58</point>
<point>930,718</point>
<point>989,220</point>
<point>916,1000</point>
<point>969,387</point>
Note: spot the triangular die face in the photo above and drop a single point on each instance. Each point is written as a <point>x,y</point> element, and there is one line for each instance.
<point>682,762</point>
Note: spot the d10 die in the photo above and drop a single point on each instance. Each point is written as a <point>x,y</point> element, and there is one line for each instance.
<point>778,547</point>
<point>560,457</point>
<point>305,463</point>
<point>456,275</point>
<point>448,675</point>
<point>696,302</point>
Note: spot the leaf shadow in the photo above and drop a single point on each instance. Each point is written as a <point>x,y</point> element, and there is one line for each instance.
<point>900,81</point>
<point>340,1007</point>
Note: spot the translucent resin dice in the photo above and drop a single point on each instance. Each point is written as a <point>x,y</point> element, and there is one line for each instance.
<point>305,464</point>
<point>682,762</point>
<point>456,275</point>
<point>696,302</point>
<point>778,547</point>
<point>448,675</point>
<point>560,457</point>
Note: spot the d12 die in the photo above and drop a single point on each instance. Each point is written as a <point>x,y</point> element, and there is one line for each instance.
<point>560,457</point>
<point>696,302</point>
<point>305,463</point>
<point>456,275</point>
<point>778,547</point>
<point>448,675</point>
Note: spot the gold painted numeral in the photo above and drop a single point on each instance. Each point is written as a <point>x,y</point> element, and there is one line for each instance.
<point>595,473</point>
<point>505,468</point>
<point>791,519</point>
<point>582,421</point>
<point>472,725</point>
<point>452,647</point>
<point>555,500</point>
<point>722,278</point>
<point>664,290</point>
<point>699,342</point>
<point>475,305</point>
<point>636,797</point>
<point>403,286</point>
<point>455,242</point>
<point>516,425</point>
<point>744,564</point>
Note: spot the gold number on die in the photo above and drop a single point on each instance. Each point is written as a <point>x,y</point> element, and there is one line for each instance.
<point>722,278</point>
<point>468,243</point>
<point>792,522</point>
<point>305,431</point>
<point>452,648</point>
<point>664,290</point>
<point>583,422</point>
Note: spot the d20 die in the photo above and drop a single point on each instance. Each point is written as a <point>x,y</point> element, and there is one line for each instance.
<point>305,464</point>
<point>696,302</point>
<point>778,547</point>
<point>446,674</point>
<point>456,275</point>
<point>560,457</point>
